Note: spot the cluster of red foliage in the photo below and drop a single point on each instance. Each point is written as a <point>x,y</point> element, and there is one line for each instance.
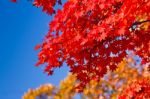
<point>139,89</point>
<point>93,35</point>
<point>47,5</point>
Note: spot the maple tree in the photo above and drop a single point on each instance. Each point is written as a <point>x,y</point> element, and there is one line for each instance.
<point>113,85</point>
<point>92,36</point>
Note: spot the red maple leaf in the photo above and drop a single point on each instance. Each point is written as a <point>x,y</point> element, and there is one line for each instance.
<point>13,1</point>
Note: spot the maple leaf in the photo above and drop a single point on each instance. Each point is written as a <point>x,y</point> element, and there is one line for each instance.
<point>47,5</point>
<point>37,47</point>
<point>14,1</point>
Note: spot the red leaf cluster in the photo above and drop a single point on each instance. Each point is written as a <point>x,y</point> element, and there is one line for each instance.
<point>47,5</point>
<point>93,35</point>
<point>139,89</point>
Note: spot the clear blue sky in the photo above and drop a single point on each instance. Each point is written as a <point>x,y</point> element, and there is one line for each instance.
<point>22,26</point>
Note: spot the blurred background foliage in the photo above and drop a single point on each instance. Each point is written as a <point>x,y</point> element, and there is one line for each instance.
<point>111,86</point>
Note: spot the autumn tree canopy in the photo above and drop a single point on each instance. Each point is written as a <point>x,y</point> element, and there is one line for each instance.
<point>92,36</point>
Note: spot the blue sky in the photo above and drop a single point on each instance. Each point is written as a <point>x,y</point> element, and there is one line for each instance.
<point>22,26</point>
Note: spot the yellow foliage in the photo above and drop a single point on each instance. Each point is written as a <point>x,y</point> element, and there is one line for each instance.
<point>44,89</point>
<point>144,25</point>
